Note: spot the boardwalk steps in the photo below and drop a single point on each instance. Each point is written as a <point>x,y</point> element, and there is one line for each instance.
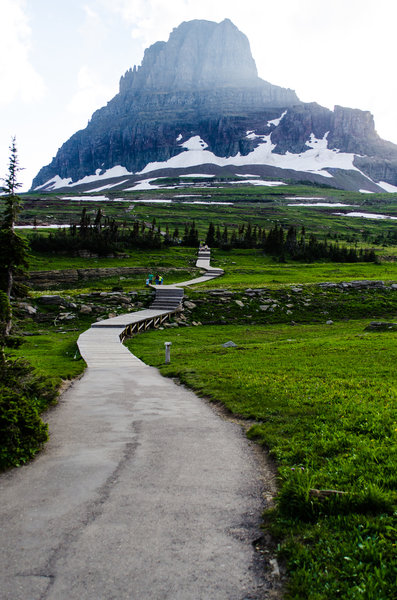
<point>167,298</point>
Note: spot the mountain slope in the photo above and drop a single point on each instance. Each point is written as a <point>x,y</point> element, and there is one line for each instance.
<point>197,105</point>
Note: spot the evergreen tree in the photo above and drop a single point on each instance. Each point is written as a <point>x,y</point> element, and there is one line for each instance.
<point>218,237</point>
<point>98,220</point>
<point>175,235</point>
<point>13,248</point>
<point>210,237</point>
<point>84,222</point>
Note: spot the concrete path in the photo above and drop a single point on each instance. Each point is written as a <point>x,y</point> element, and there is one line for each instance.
<point>142,493</point>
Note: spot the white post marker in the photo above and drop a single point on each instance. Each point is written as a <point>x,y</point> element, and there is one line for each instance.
<point>167,352</point>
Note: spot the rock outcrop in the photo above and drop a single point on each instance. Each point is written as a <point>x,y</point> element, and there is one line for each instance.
<point>203,84</point>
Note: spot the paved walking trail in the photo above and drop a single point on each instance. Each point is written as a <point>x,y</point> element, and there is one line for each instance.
<point>142,493</point>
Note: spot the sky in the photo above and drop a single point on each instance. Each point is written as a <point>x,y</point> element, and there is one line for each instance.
<point>62,60</point>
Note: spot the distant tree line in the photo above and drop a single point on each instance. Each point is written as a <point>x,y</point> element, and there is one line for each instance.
<point>284,244</point>
<point>103,235</point>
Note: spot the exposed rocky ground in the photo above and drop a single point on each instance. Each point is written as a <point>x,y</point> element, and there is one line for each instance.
<point>292,304</point>
<point>64,310</point>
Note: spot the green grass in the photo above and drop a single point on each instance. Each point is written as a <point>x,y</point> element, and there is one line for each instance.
<point>52,349</point>
<point>126,283</point>
<point>324,401</point>
<point>170,257</point>
<point>251,268</point>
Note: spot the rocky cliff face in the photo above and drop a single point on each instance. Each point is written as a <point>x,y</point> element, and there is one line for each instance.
<point>203,82</point>
<point>198,55</point>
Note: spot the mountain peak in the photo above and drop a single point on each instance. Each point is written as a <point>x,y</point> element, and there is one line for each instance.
<point>199,55</point>
<point>196,103</point>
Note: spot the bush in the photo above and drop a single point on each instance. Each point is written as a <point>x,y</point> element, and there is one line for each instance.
<point>21,430</point>
<point>23,395</point>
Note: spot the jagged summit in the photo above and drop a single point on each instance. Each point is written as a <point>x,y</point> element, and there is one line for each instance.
<point>197,105</point>
<point>199,55</point>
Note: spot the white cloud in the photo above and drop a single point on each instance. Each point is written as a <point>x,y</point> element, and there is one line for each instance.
<point>94,28</point>
<point>18,77</point>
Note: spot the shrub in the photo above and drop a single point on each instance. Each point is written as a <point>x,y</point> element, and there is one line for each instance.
<point>23,395</point>
<point>22,432</point>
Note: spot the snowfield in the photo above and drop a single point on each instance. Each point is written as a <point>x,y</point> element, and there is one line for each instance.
<point>364,215</point>
<point>316,159</point>
<point>57,182</point>
<point>323,204</point>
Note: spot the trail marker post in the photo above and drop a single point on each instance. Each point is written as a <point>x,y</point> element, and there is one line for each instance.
<point>167,352</point>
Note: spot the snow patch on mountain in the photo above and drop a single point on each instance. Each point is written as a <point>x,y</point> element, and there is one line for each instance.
<point>258,182</point>
<point>315,160</point>
<point>108,186</point>
<point>277,122</point>
<point>56,182</point>
<point>364,215</point>
<point>116,171</point>
<point>194,143</point>
<point>144,184</point>
<point>388,187</point>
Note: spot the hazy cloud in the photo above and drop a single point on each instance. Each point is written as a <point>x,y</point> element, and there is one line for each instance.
<point>18,77</point>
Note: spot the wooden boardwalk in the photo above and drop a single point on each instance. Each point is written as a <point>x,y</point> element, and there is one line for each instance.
<point>101,345</point>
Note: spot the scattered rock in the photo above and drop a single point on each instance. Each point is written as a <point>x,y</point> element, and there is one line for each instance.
<point>239,303</point>
<point>66,316</point>
<point>189,305</point>
<point>52,300</point>
<point>229,345</point>
<point>329,322</point>
<point>275,568</point>
<point>85,309</point>
<point>381,326</point>
<point>31,310</point>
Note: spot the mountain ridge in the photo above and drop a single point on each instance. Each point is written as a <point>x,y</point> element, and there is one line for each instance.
<point>203,82</point>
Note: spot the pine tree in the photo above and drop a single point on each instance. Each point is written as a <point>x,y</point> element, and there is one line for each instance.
<point>218,237</point>
<point>175,235</point>
<point>98,220</point>
<point>13,248</point>
<point>210,237</point>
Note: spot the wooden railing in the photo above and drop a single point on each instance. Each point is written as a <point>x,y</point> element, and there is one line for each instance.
<point>144,325</point>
